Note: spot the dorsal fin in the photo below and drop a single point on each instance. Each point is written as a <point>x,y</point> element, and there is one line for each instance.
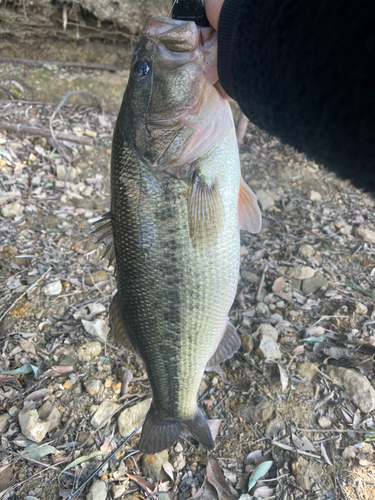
<point>206,214</point>
<point>249,214</point>
<point>104,233</point>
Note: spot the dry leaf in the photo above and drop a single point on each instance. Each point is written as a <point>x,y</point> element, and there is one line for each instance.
<point>168,469</point>
<point>143,483</point>
<point>284,379</point>
<point>214,425</point>
<point>6,477</point>
<point>216,478</point>
<point>279,284</point>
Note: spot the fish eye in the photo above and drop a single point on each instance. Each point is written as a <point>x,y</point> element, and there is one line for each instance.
<point>141,68</point>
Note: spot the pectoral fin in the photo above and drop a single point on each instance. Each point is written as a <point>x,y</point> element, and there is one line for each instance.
<point>229,344</point>
<point>249,214</point>
<point>206,213</point>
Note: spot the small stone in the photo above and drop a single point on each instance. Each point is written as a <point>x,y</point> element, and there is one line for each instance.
<point>93,387</point>
<point>88,148</point>
<point>90,310</point>
<point>215,381</point>
<point>118,490</point>
<point>306,251</point>
<point>314,196</point>
<point>152,465</point>
<point>269,349</point>
<point>87,192</point>
<point>280,304</point>
<point>14,209</point>
<point>267,330</point>
<point>346,229</point>
<point>178,462</point>
<point>264,199</point>
<point>360,309</point>
<point>357,386</point>
<point>4,417</point>
<point>312,285</point>
<point>132,417</point>
<point>83,437</point>
<point>178,448</point>
<point>247,342</point>
<point>90,133</point>
<point>32,426</point>
<point>275,427</point>
<point>41,141</point>
<point>301,272</point>
<point>89,351</point>
<point>365,232</point>
<point>106,408</point>
<point>324,422</point>
<point>257,413</point>
<point>68,385</point>
<point>249,277</point>
<point>300,471</point>
<point>98,491</point>
<point>262,309</point>
<point>61,173</point>
<point>307,370</point>
<point>51,414</point>
<point>97,328</point>
<point>116,387</point>
<point>244,251</point>
<point>96,277</point>
<point>53,288</point>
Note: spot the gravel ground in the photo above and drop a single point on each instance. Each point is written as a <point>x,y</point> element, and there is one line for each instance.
<point>295,404</point>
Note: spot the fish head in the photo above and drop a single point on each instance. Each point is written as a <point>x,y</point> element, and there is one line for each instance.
<point>171,110</point>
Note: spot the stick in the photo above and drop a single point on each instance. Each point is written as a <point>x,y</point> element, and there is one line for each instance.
<point>66,64</point>
<point>100,466</point>
<point>261,282</point>
<point>27,129</point>
<point>24,293</point>
<point>35,461</point>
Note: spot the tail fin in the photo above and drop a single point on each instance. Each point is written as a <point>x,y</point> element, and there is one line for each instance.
<point>159,434</point>
<point>198,427</point>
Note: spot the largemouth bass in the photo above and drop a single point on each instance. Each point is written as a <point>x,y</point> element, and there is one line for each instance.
<point>178,202</point>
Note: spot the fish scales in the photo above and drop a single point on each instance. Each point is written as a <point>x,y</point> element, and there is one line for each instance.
<point>175,184</point>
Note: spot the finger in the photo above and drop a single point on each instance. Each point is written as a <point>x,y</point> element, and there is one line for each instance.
<point>213,8</point>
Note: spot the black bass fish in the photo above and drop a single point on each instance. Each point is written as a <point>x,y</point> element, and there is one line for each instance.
<point>178,202</point>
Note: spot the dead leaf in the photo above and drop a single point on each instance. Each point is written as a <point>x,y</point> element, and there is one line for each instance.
<point>9,380</point>
<point>127,377</point>
<point>303,444</point>
<point>207,492</point>
<point>264,492</point>
<point>27,346</point>
<point>6,477</point>
<point>41,393</point>
<point>57,371</point>
<point>168,469</point>
<point>327,454</point>
<point>298,350</point>
<point>216,478</point>
<point>284,379</point>
<point>214,425</point>
<point>143,483</point>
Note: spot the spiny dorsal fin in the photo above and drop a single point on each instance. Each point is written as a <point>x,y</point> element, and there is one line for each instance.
<point>249,214</point>
<point>229,344</point>
<point>117,326</point>
<point>104,233</point>
<point>206,213</point>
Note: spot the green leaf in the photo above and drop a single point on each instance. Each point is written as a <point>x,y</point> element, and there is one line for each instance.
<point>259,472</point>
<point>36,452</point>
<point>49,184</point>
<point>22,370</point>
<point>324,243</point>
<point>84,459</point>
<point>359,289</point>
<point>313,340</point>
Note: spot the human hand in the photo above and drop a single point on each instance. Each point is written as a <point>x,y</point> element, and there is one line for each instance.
<point>213,8</point>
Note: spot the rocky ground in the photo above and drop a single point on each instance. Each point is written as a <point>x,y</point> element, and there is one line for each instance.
<point>293,409</point>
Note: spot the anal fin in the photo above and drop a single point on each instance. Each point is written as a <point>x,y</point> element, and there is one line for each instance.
<point>117,325</point>
<point>249,214</point>
<point>229,344</point>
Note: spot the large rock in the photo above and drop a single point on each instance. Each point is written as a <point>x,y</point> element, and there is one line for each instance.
<point>98,491</point>
<point>105,409</point>
<point>152,465</point>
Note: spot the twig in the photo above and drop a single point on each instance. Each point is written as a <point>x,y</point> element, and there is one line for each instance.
<point>53,467</point>
<point>24,293</point>
<point>100,466</point>
<point>27,129</point>
<point>61,64</point>
<point>341,431</point>
<point>294,450</point>
<point>261,282</point>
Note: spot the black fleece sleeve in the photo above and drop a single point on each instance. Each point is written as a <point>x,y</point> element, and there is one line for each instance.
<point>304,71</point>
